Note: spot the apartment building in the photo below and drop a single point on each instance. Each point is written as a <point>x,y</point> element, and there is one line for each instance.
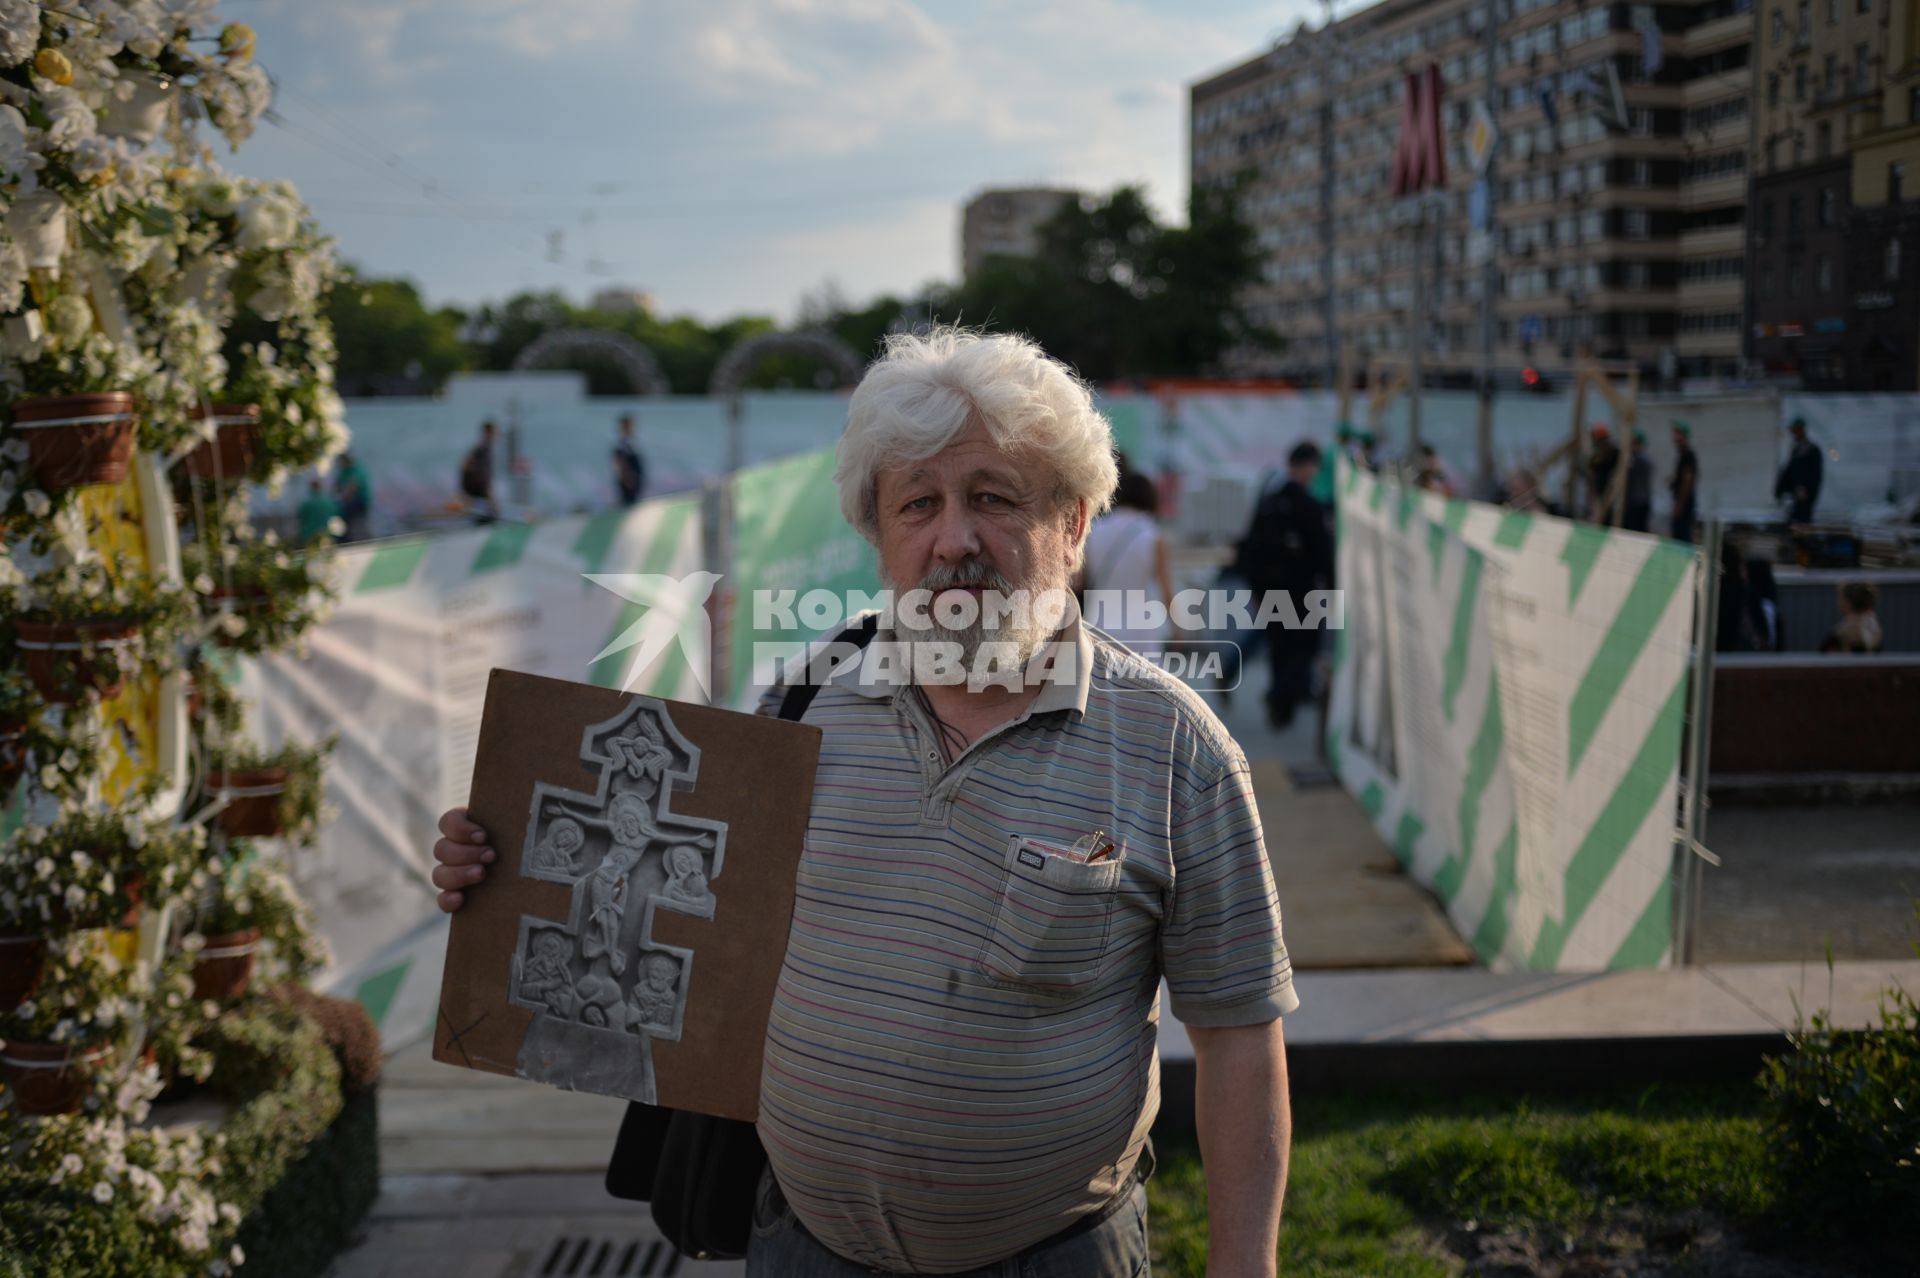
<point>1819,76</point>
<point>1883,276</point>
<point>1006,221</point>
<point>1610,230</point>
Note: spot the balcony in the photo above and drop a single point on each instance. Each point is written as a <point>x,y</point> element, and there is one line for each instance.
<point>1713,240</point>
<point>1721,33</point>
<point>1713,192</point>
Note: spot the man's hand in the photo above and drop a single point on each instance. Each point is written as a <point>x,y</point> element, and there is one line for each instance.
<point>1245,1126</point>
<point>463,857</point>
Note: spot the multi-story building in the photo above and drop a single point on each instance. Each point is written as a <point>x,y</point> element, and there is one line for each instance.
<point>1617,235</point>
<point>1818,78</point>
<point>1883,281</point>
<point>1006,222</point>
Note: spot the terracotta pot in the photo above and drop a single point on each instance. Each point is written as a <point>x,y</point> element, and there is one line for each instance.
<point>228,456</point>
<point>76,440</point>
<point>226,965</point>
<point>22,960</point>
<point>49,1078</point>
<point>253,806</point>
<point>64,657</point>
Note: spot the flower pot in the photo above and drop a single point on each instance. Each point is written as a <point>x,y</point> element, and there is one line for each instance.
<point>228,456</point>
<point>38,223</point>
<point>76,440</point>
<point>63,657</point>
<point>49,1078</point>
<point>22,960</point>
<point>226,965</point>
<point>253,802</point>
<point>140,115</point>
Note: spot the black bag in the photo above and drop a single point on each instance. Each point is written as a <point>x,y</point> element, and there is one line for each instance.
<point>707,1169</point>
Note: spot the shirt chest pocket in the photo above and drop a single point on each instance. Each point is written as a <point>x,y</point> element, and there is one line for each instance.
<point>1051,926</point>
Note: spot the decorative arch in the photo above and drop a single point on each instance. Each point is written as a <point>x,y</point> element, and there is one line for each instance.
<point>731,373</point>
<point>633,359</point>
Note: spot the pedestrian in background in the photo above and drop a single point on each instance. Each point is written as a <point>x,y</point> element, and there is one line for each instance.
<point>1763,596</point>
<point>1858,630</point>
<point>353,490</point>
<point>1686,483</point>
<point>1799,480</point>
<point>1126,553</point>
<point>1638,515</point>
<point>629,467</point>
<point>1288,548</point>
<point>1603,458</point>
<point>476,476</point>
<point>314,517</point>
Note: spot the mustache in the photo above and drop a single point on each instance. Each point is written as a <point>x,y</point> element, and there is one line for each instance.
<point>967,574</point>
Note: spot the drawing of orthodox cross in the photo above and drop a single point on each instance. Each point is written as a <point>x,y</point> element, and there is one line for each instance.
<point>600,987</point>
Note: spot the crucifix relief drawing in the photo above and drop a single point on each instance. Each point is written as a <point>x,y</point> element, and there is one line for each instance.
<point>600,987</point>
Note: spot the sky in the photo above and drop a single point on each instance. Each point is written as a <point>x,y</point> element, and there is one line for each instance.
<point>726,156</point>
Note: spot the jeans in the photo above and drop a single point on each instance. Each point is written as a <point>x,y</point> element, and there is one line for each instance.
<point>1114,1248</point>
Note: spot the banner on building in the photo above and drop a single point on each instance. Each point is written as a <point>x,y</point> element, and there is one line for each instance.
<point>1508,707</point>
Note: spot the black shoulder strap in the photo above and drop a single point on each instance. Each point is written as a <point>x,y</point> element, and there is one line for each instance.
<point>800,695</point>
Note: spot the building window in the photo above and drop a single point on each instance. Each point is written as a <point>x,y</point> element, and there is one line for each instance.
<point>1635,275</point>
<point>1830,77</point>
<point>1862,68</point>
<point>1795,226</point>
<point>1793,281</point>
<point>1866,6</point>
<point>1779,25</point>
<point>1799,149</point>
<point>1766,281</point>
<point>1773,88</point>
<point>1641,173</point>
<point>1636,224</point>
<point>1766,217</point>
<point>1800,82</point>
<point>1823,140</point>
<point>1833,12</point>
<point>1829,206</point>
<point>1896,181</point>
<point>1804,28</point>
<point>1893,260</point>
<point>1773,154</point>
<point>1913,106</point>
<point>1824,274</point>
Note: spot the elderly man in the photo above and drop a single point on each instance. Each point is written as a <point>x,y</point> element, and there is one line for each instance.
<point>960,1068</point>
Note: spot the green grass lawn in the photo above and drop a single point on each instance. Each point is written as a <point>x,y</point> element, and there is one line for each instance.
<point>1379,1186</point>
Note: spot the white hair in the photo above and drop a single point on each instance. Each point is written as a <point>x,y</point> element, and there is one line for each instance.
<point>928,387</point>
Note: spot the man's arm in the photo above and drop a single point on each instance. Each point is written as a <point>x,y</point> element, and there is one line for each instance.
<point>1246,1129</point>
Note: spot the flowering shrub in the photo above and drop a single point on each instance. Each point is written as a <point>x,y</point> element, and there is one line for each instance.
<point>127,257</point>
<point>247,892</point>
<point>260,595</point>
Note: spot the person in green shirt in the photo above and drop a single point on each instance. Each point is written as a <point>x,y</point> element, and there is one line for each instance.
<point>315,515</point>
<point>354,491</point>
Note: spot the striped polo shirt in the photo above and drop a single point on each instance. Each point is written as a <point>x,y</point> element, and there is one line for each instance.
<point>960,1057</point>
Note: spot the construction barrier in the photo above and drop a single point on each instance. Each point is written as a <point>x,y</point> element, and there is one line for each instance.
<point>1508,703</point>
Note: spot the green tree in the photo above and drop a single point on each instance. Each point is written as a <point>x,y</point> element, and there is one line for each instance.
<point>1115,294</point>
<point>388,338</point>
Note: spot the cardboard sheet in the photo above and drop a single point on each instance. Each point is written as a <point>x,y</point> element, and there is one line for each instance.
<point>628,936</point>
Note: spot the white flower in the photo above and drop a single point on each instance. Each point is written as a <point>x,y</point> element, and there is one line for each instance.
<point>70,117</point>
<point>44,866</point>
<point>37,503</point>
<point>237,1256</point>
<point>19,30</point>
<point>70,1164</point>
<point>69,760</point>
<point>14,450</point>
<point>267,222</point>
<point>25,1012</point>
<point>102,1192</point>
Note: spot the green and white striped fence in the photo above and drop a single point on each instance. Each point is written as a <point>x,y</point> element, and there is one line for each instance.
<point>1508,706</point>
